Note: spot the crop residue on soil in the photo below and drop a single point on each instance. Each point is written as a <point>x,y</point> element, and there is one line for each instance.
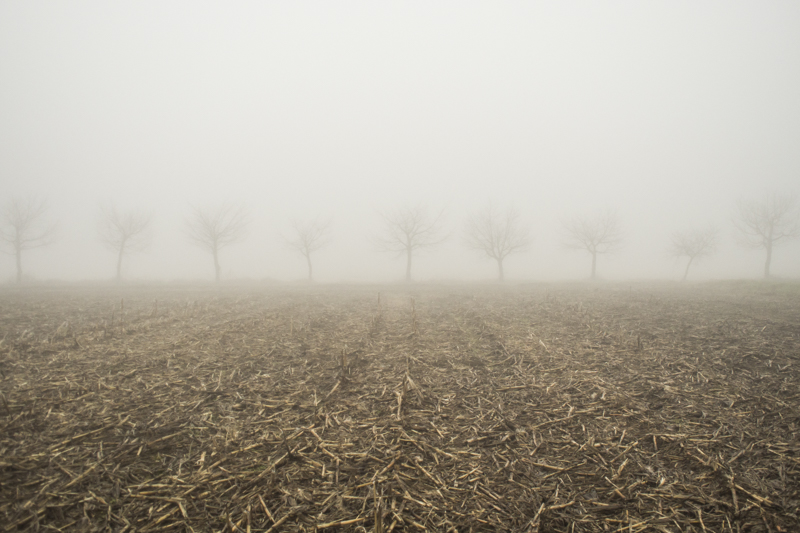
<point>520,408</point>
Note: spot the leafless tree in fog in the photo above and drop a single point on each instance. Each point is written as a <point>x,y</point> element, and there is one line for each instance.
<point>124,232</point>
<point>408,230</point>
<point>597,235</point>
<point>309,237</point>
<point>694,244</point>
<point>496,234</point>
<point>214,229</point>
<point>23,227</point>
<point>765,223</point>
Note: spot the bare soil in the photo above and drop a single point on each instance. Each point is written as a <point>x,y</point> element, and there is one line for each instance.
<point>569,408</point>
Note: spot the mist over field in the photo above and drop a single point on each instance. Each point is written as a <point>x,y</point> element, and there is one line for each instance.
<point>665,113</point>
<point>151,149</point>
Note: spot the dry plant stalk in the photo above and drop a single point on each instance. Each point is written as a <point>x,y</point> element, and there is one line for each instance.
<point>208,416</point>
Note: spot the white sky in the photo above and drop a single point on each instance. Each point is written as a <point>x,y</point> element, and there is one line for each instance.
<point>667,111</point>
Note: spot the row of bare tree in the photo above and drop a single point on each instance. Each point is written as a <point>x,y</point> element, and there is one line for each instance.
<point>406,231</point>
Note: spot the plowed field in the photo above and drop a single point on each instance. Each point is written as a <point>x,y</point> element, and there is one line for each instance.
<point>569,408</point>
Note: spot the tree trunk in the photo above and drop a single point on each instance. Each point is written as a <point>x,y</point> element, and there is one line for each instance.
<point>769,259</point>
<point>500,275</point>
<point>216,264</point>
<point>308,259</point>
<point>686,272</point>
<point>18,251</point>
<point>408,265</point>
<point>594,264</point>
<point>119,263</point>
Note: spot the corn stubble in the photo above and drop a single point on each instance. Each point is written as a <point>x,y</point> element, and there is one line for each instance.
<point>542,408</point>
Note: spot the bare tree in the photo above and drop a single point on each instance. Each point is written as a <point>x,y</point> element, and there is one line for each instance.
<point>23,227</point>
<point>124,233</point>
<point>214,229</point>
<point>408,230</point>
<point>496,234</point>
<point>765,223</point>
<point>694,244</point>
<point>309,237</point>
<point>597,235</point>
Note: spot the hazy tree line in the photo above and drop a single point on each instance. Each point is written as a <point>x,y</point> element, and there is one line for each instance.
<point>492,232</point>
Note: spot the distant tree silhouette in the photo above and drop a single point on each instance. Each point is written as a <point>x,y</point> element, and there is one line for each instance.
<point>597,235</point>
<point>124,233</point>
<point>214,229</point>
<point>694,244</point>
<point>408,230</point>
<point>309,237</point>
<point>767,222</point>
<point>23,227</point>
<point>496,234</point>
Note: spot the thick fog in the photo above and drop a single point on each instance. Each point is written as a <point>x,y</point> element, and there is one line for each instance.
<point>667,112</point>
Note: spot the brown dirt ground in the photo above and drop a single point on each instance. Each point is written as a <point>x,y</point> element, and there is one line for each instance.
<point>569,408</point>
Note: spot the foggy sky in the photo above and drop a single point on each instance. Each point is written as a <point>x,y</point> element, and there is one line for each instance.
<point>667,111</point>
